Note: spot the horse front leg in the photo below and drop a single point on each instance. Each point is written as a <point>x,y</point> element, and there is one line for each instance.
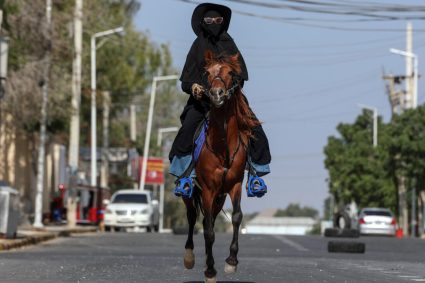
<point>209,237</point>
<point>232,260</point>
<point>189,257</point>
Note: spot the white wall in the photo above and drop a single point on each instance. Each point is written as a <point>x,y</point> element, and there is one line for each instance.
<point>279,230</point>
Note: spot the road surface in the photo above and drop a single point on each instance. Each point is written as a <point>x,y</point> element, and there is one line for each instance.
<point>145,257</point>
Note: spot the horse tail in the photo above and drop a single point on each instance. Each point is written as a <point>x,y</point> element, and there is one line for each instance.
<point>197,200</point>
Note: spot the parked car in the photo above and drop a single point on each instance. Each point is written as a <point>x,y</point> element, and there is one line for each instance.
<point>131,209</point>
<point>377,221</point>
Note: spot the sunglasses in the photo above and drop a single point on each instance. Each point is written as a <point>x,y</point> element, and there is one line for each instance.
<point>217,20</point>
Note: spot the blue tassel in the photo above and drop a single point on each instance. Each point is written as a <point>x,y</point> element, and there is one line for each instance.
<point>184,187</point>
<point>256,187</point>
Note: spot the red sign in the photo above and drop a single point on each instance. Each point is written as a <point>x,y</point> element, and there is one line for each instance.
<point>154,171</point>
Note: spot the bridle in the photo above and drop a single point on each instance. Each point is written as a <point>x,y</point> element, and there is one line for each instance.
<point>236,79</point>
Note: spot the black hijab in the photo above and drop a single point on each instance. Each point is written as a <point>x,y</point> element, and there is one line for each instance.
<point>212,37</point>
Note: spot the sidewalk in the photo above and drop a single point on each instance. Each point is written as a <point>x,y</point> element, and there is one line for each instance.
<point>31,236</point>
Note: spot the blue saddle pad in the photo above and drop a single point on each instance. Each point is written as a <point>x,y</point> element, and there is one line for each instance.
<point>200,140</point>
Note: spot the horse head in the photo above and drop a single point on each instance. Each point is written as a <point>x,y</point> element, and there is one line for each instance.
<point>222,77</point>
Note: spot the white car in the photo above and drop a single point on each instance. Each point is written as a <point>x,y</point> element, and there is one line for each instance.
<point>131,209</point>
<point>378,221</point>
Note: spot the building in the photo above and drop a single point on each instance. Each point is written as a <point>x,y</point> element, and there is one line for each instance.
<point>279,225</point>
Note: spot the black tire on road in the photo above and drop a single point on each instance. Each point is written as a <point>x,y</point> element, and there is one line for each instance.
<point>342,233</point>
<point>180,230</point>
<point>346,247</point>
<point>342,220</point>
<point>156,228</point>
<point>108,228</point>
<point>148,229</point>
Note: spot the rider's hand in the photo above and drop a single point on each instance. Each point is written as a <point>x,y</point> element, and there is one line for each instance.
<point>197,91</point>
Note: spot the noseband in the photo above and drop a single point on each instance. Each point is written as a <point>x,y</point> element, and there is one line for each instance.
<point>229,92</point>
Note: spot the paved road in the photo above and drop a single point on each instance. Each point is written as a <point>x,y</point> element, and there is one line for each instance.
<point>130,257</point>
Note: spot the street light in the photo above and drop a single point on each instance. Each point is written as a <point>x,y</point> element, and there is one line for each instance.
<point>161,189</point>
<point>4,48</point>
<point>165,130</point>
<point>415,71</point>
<point>375,122</point>
<point>93,100</point>
<point>149,126</point>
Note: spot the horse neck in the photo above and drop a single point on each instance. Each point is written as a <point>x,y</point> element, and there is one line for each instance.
<point>223,127</point>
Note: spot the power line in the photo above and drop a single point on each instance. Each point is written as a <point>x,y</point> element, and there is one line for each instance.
<point>329,27</point>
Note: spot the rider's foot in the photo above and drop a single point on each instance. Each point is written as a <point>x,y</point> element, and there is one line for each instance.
<point>184,187</point>
<point>256,187</point>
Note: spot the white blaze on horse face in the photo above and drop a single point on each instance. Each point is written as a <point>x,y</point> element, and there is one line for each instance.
<point>217,92</point>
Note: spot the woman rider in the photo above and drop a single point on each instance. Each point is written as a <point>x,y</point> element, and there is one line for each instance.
<point>210,23</point>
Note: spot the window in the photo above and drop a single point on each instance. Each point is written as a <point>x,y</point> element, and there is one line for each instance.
<point>377,213</point>
<point>130,198</point>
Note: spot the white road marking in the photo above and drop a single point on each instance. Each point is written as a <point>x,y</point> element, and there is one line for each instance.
<point>291,243</point>
<point>390,272</point>
<point>375,269</point>
<point>418,280</point>
<point>408,276</point>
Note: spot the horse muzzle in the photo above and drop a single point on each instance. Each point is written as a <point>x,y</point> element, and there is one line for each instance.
<point>217,96</point>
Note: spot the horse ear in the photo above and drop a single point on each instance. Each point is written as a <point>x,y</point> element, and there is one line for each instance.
<point>208,55</point>
<point>235,57</point>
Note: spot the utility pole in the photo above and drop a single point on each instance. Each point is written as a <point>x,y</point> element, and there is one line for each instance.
<point>105,144</point>
<point>162,186</point>
<point>395,96</point>
<point>409,102</point>
<point>133,135</point>
<point>409,70</point>
<point>74,135</point>
<point>38,221</point>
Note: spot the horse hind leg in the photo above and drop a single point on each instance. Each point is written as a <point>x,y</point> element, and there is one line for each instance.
<point>232,260</point>
<point>189,257</point>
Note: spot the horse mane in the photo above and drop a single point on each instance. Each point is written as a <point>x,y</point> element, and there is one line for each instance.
<point>223,59</point>
<point>245,117</point>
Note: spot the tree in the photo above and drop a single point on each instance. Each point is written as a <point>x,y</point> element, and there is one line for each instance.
<point>408,151</point>
<point>408,134</point>
<point>357,170</point>
<point>125,68</point>
<point>295,210</point>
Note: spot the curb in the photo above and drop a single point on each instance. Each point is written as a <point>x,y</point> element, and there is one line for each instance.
<point>36,239</point>
<point>29,240</point>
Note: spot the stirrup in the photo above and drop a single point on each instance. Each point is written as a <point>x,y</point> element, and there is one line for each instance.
<point>184,187</point>
<point>256,187</point>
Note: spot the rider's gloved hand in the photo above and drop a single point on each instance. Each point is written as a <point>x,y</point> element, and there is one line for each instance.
<point>197,91</point>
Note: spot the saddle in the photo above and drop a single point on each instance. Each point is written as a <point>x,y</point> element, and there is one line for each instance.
<point>255,186</point>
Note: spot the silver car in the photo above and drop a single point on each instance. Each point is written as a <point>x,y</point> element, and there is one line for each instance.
<point>377,221</point>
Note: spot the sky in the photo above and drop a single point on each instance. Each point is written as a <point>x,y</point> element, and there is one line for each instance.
<point>303,80</point>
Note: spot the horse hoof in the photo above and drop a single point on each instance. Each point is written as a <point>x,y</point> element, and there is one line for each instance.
<point>211,280</point>
<point>189,259</point>
<point>229,268</point>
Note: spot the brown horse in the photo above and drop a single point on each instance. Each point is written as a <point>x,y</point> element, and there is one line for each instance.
<point>220,167</point>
